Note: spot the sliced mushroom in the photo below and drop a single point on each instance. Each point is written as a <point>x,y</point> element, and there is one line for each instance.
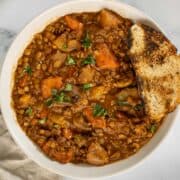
<point>58,59</point>
<point>97,155</point>
<point>80,123</point>
<point>58,119</point>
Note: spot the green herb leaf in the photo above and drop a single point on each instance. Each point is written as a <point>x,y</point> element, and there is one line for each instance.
<point>68,87</point>
<point>86,41</point>
<point>29,111</point>
<point>54,92</point>
<point>42,121</point>
<point>123,103</point>
<point>28,70</point>
<point>138,107</point>
<point>70,60</point>
<point>98,110</point>
<point>89,60</point>
<point>56,126</point>
<point>49,101</point>
<point>153,128</point>
<point>60,97</point>
<point>64,46</point>
<point>87,86</point>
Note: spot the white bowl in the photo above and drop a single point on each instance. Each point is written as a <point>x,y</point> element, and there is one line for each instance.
<point>16,50</point>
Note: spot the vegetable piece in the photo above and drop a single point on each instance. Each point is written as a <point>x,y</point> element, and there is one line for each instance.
<point>29,111</point>
<point>70,60</point>
<point>86,75</point>
<point>89,60</point>
<point>28,69</point>
<point>62,97</point>
<point>108,19</point>
<point>123,103</point>
<point>153,128</point>
<point>42,121</point>
<point>58,59</point>
<point>48,102</point>
<point>139,107</point>
<point>98,110</point>
<point>61,41</point>
<point>68,87</point>
<point>97,122</point>
<point>86,41</point>
<point>98,92</point>
<point>50,83</point>
<point>25,100</point>
<point>67,133</point>
<point>80,124</point>
<point>63,156</point>
<point>73,23</point>
<point>73,45</point>
<point>105,59</point>
<point>58,119</point>
<point>97,155</point>
<point>87,86</point>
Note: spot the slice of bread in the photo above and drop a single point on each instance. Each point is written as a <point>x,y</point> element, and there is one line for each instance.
<point>157,69</point>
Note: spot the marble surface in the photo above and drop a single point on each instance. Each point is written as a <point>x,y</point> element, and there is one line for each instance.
<point>164,163</point>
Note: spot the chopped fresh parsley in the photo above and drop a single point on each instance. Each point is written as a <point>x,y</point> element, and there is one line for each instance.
<point>138,107</point>
<point>86,41</point>
<point>62,97</point>
<point>28,70</point>
<point>123,103</point>
<point>64,46</point>
<point>54,92</point>
<point>87,86</point>
<point>49,101</point>
<point>68,87</point>
<point>152,128</point>
<point>98,110</point>
<point>42,121</point>
<point>70,60</point>
<point>29,111</point>
<point>89,60</point>
<point>59,97</point>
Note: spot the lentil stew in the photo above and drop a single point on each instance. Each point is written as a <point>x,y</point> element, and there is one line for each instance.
<point>75,92</point>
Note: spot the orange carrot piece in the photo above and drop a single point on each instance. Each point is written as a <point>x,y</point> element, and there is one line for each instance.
<point>97,122</point>
<point>105,59</point>
<point>43,113</point>
<point>48,84</point>
<point>73,23</point>
<point>64,157</point>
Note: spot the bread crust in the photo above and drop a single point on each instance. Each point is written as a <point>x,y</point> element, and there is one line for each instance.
<point>157,69</point>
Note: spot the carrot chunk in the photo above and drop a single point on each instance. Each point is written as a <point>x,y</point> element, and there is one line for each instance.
<point>48,84</point>
<point>105,59</point>
<point>97,122</point>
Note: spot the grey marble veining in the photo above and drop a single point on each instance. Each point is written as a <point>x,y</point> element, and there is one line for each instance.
<point>6,37</point>
<point>164,164</point>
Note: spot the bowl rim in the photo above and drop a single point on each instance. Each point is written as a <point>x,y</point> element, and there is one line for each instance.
<point>3,104</point>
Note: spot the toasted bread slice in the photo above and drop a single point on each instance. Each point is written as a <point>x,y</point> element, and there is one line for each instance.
<point>157,69</point>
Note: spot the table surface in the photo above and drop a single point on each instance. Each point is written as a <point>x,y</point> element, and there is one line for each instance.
<point>164,163</point>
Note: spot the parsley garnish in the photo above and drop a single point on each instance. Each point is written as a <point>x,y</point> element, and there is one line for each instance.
<point>89,60</point>
<point>87,86</point>
<point>86,41</point>
<point>28,70</point>
<point>98,110</point>
<point>70,60</point>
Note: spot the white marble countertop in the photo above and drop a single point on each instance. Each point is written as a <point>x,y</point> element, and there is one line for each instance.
<point>164,163</point>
